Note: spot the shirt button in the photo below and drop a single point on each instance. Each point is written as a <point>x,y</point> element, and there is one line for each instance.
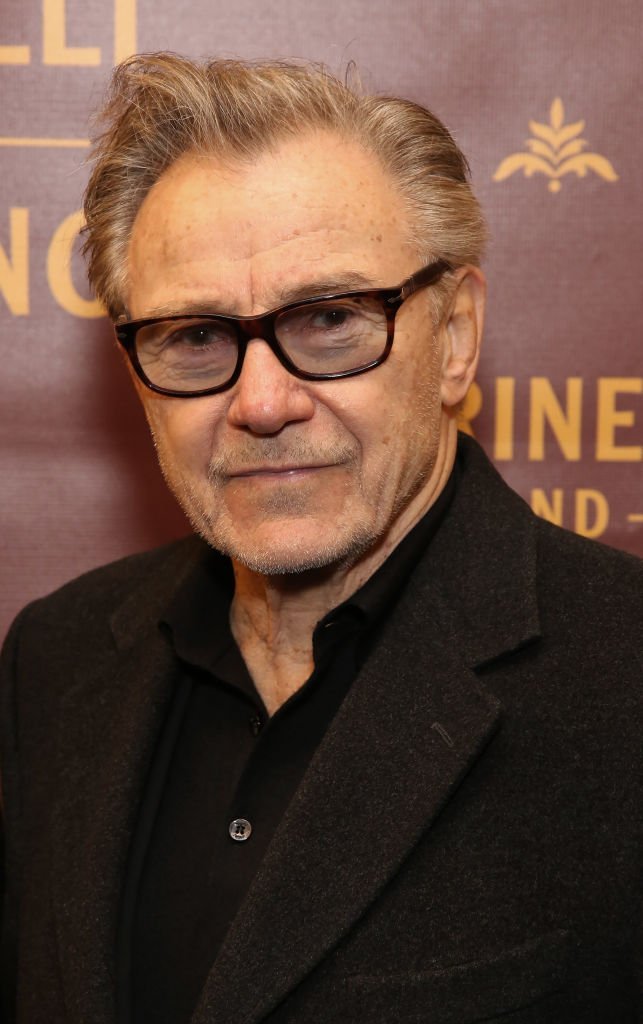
<point>240,829</point>
<point>255,724</point>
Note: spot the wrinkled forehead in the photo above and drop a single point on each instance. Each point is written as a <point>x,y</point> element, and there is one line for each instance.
<point>315,204</point>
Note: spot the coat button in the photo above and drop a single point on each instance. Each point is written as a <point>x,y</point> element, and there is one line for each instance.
<point>240,829</point>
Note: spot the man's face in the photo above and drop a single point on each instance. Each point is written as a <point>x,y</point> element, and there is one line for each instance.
<point>284,474</point>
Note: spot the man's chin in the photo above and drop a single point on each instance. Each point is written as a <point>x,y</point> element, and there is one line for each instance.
<point>291,555</point>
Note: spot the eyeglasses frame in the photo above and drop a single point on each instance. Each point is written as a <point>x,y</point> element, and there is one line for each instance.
<point>249,328</point>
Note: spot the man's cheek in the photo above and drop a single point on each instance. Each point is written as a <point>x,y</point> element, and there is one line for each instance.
<point>179,434</point>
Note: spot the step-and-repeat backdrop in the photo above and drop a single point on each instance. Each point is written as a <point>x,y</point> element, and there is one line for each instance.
<point>542,95</point>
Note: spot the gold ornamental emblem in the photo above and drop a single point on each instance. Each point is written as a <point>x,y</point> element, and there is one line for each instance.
<point>556,150</point>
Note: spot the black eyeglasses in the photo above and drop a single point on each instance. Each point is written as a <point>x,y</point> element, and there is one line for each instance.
<point>322,338</point>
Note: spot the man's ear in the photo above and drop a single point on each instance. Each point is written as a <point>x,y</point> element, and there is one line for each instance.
<point>461,334</point>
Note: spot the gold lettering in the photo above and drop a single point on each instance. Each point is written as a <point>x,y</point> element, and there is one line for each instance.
<point>124,29</point>
<point>609,418</point>
<point>54,40</point>
<point>552,510</point>
<point>470,408</point>
<point>503,447</point>
<point>14,269</point>
<point>545,408</point>
<point>584,498</point>
<point>59,270</point>
<point>15,54</point>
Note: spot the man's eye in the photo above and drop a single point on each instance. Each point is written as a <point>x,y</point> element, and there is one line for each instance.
<point>180,340</point>
<point>331,318</point>
<point>197,336</point>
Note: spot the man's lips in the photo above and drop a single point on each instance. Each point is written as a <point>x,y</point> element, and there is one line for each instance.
<point>269,471</point>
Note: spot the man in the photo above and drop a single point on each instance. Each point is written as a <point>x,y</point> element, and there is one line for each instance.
<point>368,750</point>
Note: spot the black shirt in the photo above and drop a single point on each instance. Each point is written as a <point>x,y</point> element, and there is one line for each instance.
<point>224,774</point>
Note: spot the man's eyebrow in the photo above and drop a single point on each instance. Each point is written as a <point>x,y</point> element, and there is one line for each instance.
<point>350,281</point>
<point>185,308</point>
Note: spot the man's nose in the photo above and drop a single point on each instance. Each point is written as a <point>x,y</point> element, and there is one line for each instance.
<point>267,397</point>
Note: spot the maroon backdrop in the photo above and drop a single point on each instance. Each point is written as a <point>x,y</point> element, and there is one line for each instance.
<point>545,100</point>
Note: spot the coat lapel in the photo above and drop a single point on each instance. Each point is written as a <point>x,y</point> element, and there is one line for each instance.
<point>410,729</point>
<point>109,724</point>
<point>398,748</point>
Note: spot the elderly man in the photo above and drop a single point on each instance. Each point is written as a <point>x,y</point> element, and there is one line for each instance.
<point>367,748</point>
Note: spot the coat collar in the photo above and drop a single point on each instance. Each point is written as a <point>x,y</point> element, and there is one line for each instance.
<point>417,711</point>
<point>485,557</point>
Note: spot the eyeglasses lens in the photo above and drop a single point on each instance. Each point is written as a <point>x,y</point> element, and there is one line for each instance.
<point>333,336</point>
<point>187,355</point>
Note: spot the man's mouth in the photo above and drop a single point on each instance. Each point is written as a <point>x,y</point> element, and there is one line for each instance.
<point>279,463</point>
<point>273,471</point>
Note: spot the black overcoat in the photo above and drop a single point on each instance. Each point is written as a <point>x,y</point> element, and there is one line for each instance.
<point>465,845</point>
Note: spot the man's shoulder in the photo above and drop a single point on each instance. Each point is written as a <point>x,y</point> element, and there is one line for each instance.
<point>558,548</point>
<point>147,577</point>
<point>561,547</point>
<point>509,557</point>
<point>88,625</point>
<point>589,584</point>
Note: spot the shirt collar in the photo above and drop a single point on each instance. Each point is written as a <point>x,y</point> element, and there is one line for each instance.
<point>197,617</point>
<point>381,590</point>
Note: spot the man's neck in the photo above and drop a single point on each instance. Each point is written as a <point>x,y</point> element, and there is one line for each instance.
<point>273,617</point>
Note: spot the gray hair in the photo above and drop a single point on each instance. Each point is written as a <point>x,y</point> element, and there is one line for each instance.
<point>161,106</point>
